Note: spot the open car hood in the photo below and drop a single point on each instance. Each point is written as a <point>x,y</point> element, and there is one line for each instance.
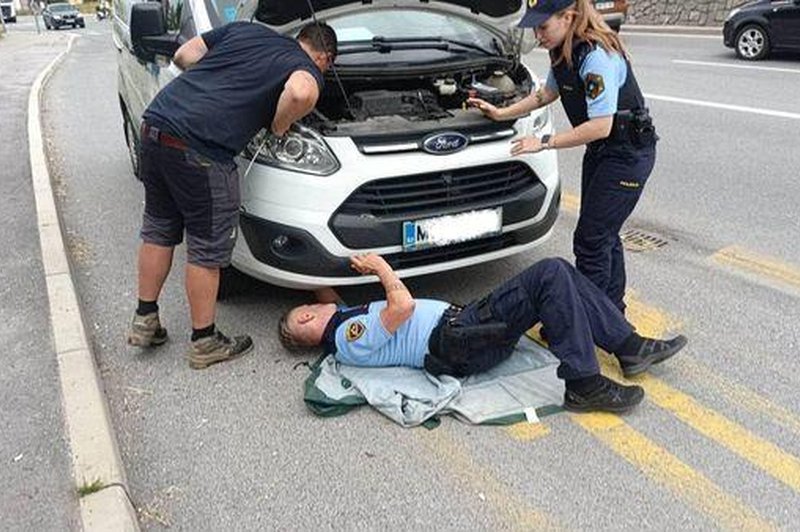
<point>502,14</point>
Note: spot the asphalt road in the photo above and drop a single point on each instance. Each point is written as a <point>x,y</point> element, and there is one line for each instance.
<point>35,469</point>
<point>715,445</point>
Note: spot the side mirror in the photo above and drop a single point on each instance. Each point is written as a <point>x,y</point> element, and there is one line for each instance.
<point>149,32</point>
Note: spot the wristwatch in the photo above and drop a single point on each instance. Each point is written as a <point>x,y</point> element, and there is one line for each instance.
<point>546,142</point>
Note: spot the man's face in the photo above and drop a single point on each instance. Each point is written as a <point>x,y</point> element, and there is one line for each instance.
<point>553,31</point>
<point>323,60</point>
<point>305,322</point>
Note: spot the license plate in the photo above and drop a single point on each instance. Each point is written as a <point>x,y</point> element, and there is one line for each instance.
<point>604,5</point>
<point>451,229</point>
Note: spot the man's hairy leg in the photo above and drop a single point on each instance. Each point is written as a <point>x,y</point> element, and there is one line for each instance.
<point>202,285</point>
<point>154,265</point>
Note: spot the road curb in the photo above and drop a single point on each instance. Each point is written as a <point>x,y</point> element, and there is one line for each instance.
<point>95,455</point>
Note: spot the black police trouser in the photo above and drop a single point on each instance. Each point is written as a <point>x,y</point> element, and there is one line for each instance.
<point>575,313</point>
<point>614,176</point>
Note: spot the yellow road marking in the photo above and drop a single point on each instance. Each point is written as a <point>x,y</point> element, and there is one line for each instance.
<point>528,431</point>
<point>742,259</point>
<point>658,464</point>
<point>512,509</point>
<point>756,450</point>
<point>570,202</point>
<point>739,395</point>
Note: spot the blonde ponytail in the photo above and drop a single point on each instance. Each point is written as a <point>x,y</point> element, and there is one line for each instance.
<point>588,25</point>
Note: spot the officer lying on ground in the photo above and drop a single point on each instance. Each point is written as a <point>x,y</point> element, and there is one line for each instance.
<point>447,339</point>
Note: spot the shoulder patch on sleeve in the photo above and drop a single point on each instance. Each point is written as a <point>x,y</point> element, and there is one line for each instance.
<point>355,331</point>
<point>595,86</point>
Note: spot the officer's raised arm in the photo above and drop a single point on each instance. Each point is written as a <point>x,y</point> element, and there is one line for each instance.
<point>399,302</point>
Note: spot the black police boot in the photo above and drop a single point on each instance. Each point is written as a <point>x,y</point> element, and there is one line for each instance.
<point>607,396</point>
<point>637,354</point>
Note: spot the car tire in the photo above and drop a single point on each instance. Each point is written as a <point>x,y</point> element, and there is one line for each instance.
<point>232,282</point>
<point>82,24</point>
<point>12,20</point>
<point>132,140</point>
<point>752,43</point>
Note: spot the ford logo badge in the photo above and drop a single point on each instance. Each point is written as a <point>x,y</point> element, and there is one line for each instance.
<point>445,143</point>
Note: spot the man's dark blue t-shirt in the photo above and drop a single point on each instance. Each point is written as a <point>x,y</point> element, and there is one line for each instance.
<point>220,103</point>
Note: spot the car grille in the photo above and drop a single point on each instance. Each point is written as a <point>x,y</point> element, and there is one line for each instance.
<point>439,191</point>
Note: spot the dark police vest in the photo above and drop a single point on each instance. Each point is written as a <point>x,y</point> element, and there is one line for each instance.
<point>632,123</point>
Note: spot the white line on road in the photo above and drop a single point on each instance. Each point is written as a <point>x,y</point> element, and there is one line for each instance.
<point>725,106</point>
<point>733,65</point>
<point>676,35</point>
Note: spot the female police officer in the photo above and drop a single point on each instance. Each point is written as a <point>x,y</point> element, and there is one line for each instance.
<point>591,74</point>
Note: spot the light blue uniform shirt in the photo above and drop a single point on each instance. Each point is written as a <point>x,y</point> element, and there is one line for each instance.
<point>363,341</point>
<point>612,69</point>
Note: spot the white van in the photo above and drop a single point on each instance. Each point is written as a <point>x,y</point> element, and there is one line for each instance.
<point>9,10</point>
<point>392,161</point>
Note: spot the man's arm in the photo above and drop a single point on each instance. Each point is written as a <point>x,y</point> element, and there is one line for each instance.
<point>399,302</point>
<point>298,98</point>
<point>190,53</point>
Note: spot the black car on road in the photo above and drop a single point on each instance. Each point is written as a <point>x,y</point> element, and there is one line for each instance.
<point>757,28</point>
<point>57,15</point>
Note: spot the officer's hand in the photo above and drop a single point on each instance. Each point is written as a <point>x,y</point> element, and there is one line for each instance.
<point>486,108</point>
<point>369,264</point>
<point>526,145</point>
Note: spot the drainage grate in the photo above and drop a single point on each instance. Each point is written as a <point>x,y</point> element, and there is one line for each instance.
<point>638,241</point>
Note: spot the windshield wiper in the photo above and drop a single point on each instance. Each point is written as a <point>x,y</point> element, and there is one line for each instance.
<point>405,40</point>
<point>385,45</point>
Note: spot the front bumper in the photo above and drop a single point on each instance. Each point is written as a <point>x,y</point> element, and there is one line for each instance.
<point>729,34</point>
<point>304,263</point>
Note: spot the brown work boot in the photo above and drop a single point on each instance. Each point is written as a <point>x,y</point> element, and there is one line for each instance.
<point>146,331</point>
<point>217,348</point>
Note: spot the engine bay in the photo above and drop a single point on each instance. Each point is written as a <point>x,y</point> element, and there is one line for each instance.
<point>416,101</point>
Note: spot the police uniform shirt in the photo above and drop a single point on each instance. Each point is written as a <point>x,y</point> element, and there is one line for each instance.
<point>220,103</point>
<point>603,75</point>
<point>362,340</point>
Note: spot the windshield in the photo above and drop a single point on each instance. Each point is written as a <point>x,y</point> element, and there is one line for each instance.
<point>415,28</point>
<point>223,11</point>
<point>59,8</point>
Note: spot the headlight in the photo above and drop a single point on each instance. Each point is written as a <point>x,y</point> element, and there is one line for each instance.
<point>300,150</point>
<point>57,17</point>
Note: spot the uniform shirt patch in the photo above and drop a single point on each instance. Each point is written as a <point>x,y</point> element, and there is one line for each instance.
<point>595,86</point>
<point>355,331</point>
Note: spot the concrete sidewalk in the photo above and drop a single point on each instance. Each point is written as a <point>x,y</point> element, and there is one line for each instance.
<point>38,490</point>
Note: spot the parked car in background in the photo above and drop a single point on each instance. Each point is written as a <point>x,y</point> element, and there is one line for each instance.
<point>59,15</point>
<point>615,12</point>
<point>392,161</point>
<point>757,28</point>
<point>8,10</point>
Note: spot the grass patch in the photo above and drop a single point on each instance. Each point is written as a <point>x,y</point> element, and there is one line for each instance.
<point>88,489</point>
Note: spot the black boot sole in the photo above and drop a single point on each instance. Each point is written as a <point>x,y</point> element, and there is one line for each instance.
<point>638,369</point>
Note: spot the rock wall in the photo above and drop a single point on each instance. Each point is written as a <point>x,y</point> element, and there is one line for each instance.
<point>681,12</point>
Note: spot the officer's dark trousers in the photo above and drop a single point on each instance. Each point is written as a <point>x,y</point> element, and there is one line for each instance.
<point>612,182</point>
<point>576,314</point>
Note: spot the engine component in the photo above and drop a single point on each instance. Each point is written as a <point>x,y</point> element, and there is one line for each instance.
<point>446,86</point>
<point>414,105</point>
<point>486,92</point>
<point>500,81</point>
